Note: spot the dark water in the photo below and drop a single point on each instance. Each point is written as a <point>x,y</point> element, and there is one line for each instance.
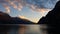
<point>25,29</point>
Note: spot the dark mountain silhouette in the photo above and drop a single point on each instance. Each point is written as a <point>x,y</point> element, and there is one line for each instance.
<point>52,17</point>
<point>6,19</point>
<point>52,20</point>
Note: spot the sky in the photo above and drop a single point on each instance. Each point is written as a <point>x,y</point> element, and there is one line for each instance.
<point>32,10</point>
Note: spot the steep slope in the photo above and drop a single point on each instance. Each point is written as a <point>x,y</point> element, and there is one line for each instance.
<point>52,20</point>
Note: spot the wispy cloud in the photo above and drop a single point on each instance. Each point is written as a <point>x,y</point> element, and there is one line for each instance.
<point>19,7</point>
<point>12,3</point>
<point>38,5</point>
<point>7,8</point>
<point>35,20</point>
<point>23,17</point>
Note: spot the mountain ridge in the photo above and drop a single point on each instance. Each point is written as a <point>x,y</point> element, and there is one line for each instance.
<point>7,19</point>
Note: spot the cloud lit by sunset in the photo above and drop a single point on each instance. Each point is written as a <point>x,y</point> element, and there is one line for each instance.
<point>33,4</point>
<point>23,17</point>
<point>24,7</point>
<point>7,8</point>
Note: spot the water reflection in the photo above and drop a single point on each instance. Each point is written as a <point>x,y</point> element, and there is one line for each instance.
<point>23,29</point>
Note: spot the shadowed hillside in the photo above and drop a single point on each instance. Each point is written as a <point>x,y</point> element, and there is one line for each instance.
<point>6,19</point>
<point>52,17</point>
<point>52,20</point>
